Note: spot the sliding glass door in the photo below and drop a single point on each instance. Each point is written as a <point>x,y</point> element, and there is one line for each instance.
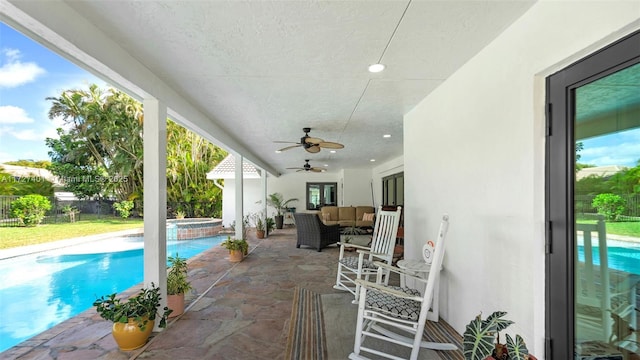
<point>593,205</point>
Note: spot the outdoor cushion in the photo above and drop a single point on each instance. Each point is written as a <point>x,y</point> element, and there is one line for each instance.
<point>394,306</point>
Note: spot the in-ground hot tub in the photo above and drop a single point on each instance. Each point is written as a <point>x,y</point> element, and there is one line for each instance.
<point>183,229</point>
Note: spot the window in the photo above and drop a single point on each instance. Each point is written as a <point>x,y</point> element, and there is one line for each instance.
<point>321,194</point>
<point>393,189</point>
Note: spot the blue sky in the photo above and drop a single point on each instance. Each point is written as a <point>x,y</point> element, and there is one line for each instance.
<point>29,73</point>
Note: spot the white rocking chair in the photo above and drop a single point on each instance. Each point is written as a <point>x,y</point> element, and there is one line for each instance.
<point>352,268</point>
<point>383,309</point>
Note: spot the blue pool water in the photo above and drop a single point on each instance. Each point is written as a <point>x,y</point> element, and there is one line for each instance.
<point>621,255</point>
<point>39,291</point>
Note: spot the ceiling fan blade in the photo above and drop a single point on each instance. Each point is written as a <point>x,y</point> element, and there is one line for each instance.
<point>316,169</point>
<point>286,142</point>
<point>313,149</point>
<point>330,145</point>
<point>313,140</point>
<point>295,168</point>
<point>290,147</point>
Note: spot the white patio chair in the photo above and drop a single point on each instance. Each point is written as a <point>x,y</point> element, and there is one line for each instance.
<point>395,314</point>
<point>602,293</point>
<point>352,268</point>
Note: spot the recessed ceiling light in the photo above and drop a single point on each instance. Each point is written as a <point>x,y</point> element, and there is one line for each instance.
<point>278,151</point>
<point>332,151</point>
<point>372,160</point>
<point>325,165</point>
<point>386,135</point>
<point>376,68</point>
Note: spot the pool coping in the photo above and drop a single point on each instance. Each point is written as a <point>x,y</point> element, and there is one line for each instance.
<point>52,245</point>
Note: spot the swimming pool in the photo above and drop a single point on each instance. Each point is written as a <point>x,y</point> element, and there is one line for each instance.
<point>621,255</point>
<point>39,291</point>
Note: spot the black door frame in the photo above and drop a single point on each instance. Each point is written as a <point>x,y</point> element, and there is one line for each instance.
<point>559,180</point>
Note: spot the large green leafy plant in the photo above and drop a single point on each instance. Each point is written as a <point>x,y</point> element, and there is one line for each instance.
<point>482,340</point>
<point>141,307</point>
<point>235,244</point>
<point>277,201</point>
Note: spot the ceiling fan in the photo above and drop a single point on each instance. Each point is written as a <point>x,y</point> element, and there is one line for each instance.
<point>307,167</point>
<point>311,144</point>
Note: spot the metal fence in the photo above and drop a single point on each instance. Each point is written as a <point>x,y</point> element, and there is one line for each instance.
<point>56,214</point>
<point>632,205</point>
<point>102,208</point>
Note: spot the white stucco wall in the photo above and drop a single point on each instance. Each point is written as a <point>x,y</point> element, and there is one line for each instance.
<point>294,185</point>
<point>356,187</point>
<point>252,193</point>
<point>482,161</point>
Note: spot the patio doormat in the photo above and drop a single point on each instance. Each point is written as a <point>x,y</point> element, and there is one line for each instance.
<point>306,340</point>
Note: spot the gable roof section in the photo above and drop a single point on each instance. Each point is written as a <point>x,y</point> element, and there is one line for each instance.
<point>226,169</point>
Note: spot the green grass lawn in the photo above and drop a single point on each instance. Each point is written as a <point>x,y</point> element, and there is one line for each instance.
<point>626,228</point>
<point>88,225</point>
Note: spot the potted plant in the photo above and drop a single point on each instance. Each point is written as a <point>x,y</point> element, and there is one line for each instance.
<point>134,318</point>
<point>237,248</point>
<point>259,223</point>
<point>269,224</point>
<point>482,340</point>
<point>177,284</point>
<point>260,228</point>
<point>276,200</point>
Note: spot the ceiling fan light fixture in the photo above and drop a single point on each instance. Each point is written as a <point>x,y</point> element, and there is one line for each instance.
<point>376,68</point>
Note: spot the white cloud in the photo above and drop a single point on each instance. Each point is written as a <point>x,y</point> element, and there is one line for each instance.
<point>14,115</point>
<point>626,154</point>
<point>14,72</point>
<point>28,134</point>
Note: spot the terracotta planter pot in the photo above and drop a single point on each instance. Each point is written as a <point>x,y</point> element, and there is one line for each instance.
<point>175,303</point>
<point>260,234</point>
<point>128,335</point>
<point>235,255</point>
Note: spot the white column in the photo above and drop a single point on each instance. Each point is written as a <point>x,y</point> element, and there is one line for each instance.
<point>239,198</point>
<point>155,197</point>
<point>263,182</point>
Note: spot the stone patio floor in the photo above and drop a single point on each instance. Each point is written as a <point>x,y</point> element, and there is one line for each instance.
<point>236,311</point>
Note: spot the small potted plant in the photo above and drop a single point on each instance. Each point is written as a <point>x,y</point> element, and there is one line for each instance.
<point>269,224</point>
<point>177,284</point>
<point>482,340</point>
<point>259,224</point>
<point>133,319</point>
<point>276,200</point>
<point>237,248</point>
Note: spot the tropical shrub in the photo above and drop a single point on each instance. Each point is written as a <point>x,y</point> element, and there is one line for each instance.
<point>609,205</point>
<point>30,209</point>
<point>123,208</point>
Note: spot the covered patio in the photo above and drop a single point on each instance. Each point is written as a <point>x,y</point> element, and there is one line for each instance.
<point>463,100</point>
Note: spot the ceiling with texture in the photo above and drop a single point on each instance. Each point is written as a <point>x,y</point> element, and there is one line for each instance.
<point>263,70</point>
